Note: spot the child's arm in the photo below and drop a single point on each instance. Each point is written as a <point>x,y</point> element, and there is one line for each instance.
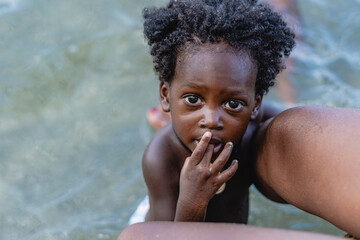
<point>162,190</point>
<point>309,156</point>
<point>162,180</point>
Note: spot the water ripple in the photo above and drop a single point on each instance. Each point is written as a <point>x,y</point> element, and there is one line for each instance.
<point>7,6</point>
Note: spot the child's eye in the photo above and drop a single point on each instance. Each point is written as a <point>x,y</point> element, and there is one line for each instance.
<point>234,105</point>
<point>192,99</point>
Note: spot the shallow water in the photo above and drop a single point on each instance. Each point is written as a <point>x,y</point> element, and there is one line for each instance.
<point>75,82</point>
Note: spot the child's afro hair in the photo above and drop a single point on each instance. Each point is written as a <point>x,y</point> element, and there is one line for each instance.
<point>240,23</point>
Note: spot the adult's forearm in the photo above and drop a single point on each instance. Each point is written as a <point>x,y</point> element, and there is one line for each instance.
<point>212,231</point>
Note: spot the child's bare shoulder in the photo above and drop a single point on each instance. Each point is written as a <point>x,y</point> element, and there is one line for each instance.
<point>159,159</point>
<point>160,145</point>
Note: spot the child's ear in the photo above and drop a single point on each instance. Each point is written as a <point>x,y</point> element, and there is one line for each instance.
<point>164,92</point>
<point>255,111</point>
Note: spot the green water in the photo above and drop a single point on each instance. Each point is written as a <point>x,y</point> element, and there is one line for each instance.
<point>75,82</point>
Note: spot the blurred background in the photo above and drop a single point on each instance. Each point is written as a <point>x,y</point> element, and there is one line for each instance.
<point>76,81</point>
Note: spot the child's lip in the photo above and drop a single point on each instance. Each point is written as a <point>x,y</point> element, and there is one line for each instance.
<point>214,140</point>
<point>218,144</point>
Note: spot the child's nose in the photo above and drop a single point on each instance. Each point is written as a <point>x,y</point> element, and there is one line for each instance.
<point>211,119</point>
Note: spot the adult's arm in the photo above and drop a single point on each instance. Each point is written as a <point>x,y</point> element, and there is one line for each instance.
<point>310,157</point>
<point>211,231</point>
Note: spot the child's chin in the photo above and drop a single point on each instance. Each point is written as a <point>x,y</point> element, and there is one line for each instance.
<point>213,158</point>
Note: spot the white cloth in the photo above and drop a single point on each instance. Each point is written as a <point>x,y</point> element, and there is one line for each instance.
<point>140,212</point>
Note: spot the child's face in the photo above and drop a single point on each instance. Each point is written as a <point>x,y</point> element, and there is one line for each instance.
<point>213,89</point>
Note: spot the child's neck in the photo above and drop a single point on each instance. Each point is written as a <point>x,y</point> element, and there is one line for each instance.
<point>182,143</point>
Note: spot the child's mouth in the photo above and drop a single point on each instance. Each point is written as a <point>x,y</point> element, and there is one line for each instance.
<point>217,147</point>
<point>216,143</point>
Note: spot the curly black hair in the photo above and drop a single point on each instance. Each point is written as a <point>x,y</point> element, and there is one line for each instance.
<point>240,23</point>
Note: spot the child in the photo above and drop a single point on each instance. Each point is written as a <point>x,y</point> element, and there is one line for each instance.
<point>215,60</point>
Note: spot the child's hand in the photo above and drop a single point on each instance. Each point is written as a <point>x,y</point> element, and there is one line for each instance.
<point>200,179</point>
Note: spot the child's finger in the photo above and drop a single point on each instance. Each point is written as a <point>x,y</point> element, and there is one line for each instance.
<point>221,160</point>
<point>200,149</point>
<point>228,173</point>
<point>206,160</point>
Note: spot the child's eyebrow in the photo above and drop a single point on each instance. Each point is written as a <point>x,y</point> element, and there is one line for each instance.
<point>228,91</point>
<point>238,92</point>
<point>192,85</point>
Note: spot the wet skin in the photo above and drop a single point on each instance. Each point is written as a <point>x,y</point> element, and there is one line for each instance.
<point>212,92</point>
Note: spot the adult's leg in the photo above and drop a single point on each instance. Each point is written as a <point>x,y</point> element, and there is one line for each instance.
<point>310,157</point>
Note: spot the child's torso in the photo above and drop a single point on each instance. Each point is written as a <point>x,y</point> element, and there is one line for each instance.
<point>232,204</point>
